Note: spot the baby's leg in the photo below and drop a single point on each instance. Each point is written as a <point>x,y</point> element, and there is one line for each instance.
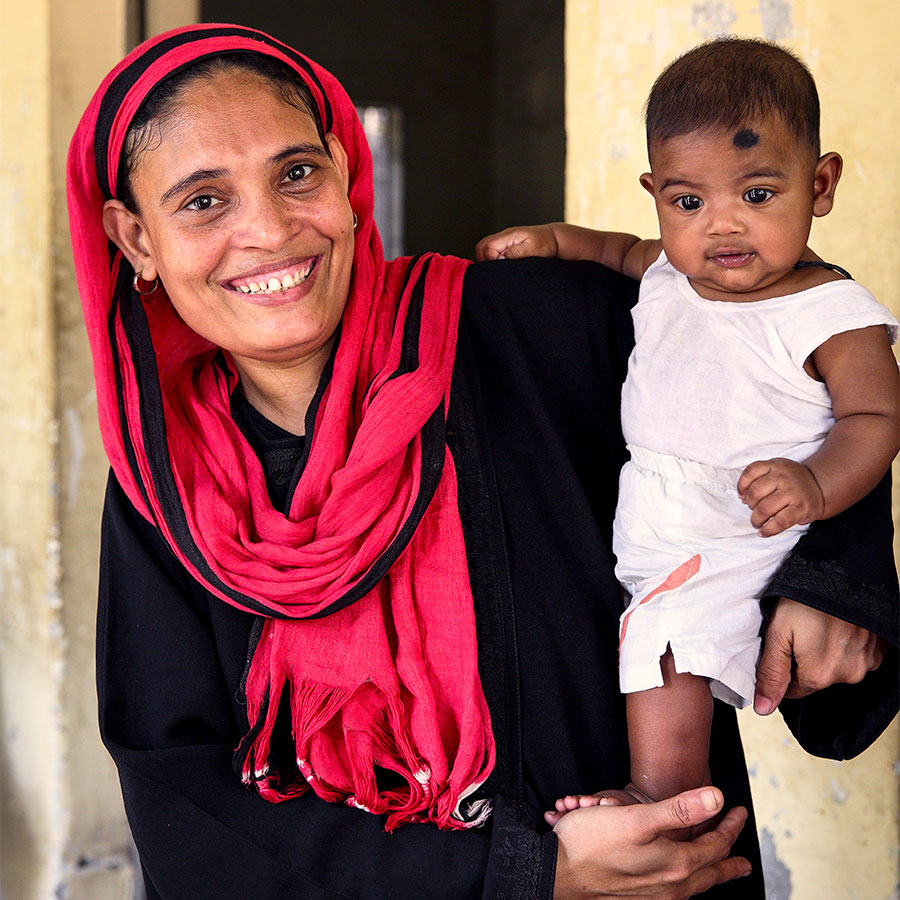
<point>668,734</point>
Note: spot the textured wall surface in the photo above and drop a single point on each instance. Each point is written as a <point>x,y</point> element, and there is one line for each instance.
<point>62,829</point>
<point>828,830</point>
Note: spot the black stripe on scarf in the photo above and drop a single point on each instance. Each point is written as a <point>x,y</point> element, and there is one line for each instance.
<point>433,442</point>
<point>123,285</point>
<point>156,447</point>
<point>153,426</point>
<point>126,79</point>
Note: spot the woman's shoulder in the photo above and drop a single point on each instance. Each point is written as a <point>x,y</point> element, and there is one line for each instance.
<point>533,277</point>
<point>563,325</point>
<point>539,301</point>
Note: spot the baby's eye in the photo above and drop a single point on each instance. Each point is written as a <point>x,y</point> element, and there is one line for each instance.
<point>299,171</point>
<point>202,203</point>
<point>688,202</point>
<point>757,195</point>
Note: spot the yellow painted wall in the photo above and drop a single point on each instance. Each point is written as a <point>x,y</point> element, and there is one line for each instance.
<point>62,828</point>
<point>828,830</point>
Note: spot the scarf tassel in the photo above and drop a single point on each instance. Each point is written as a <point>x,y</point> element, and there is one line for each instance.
<point>354,731</point>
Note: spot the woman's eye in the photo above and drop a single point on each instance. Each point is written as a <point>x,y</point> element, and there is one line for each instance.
<point>298,172</point>
<point>757,195</point>
<point>689,203</point>
<point>202,203</point>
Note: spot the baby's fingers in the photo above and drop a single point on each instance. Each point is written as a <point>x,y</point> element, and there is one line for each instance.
<point>753,472</point>
<point>767,506</point>
<point>776,525</point>
<point>506,244</point>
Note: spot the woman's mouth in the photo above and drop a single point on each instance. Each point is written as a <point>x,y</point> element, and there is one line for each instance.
<point>732,259</point>
<point>274,282</point>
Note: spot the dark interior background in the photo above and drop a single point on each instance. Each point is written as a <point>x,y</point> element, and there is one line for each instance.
<point>480,86</point>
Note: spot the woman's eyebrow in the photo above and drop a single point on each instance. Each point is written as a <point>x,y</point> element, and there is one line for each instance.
<point>300,149</point>
<point>190,180</point>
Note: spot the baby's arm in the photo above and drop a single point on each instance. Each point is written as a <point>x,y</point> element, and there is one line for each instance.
<point>623,253</point>
<point>860,372</point>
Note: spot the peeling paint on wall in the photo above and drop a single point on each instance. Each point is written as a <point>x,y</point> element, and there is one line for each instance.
<point>778,875</point>
<point>75,438</point>
<point>713,18</point>
<point>777,19</point>
<point>838,792</point>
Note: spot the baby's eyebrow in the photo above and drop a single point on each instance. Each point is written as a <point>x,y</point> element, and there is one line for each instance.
<point>766,173</point>
<point>680,182</point>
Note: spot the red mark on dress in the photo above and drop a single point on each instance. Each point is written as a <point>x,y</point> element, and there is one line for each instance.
<point>674,579</point>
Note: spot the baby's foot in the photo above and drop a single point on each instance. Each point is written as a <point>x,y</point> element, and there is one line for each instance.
<point>626,797</point>
<point>602,798</point>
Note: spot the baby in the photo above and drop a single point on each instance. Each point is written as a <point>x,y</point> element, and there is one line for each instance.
<point>761,377</point>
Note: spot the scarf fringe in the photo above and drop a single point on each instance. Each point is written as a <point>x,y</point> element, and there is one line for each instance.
<point>370,730</point>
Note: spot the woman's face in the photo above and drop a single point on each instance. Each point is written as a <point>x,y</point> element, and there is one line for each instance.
<point>244,217</point>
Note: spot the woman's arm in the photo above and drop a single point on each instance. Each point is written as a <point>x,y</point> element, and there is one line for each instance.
<point>840,580</point>
<point>832,612</point>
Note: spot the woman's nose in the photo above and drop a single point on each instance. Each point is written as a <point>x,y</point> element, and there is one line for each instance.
<point>266,223</point>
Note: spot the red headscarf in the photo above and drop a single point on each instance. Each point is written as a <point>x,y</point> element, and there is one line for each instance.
<point>363,588</point>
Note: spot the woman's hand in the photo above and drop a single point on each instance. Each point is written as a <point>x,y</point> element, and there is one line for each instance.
<point>807,650</point>
<point>518,242</point>
<point>622,851</point>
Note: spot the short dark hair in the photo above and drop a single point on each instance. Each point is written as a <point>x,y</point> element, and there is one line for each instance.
<point>730,83</point>
<point>157,104</point>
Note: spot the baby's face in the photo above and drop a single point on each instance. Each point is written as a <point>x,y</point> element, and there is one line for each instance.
<point>735,208</point>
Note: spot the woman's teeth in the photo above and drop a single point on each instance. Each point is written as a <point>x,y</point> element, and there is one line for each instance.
<point>274,285</point>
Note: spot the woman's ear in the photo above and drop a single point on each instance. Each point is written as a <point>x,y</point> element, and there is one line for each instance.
<point>127,232</point>
<point>827,175</point>
<point>339,157</point>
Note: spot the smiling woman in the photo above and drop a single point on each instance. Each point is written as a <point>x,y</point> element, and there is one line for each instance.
<point>356,543</point>
<point>254,245</point>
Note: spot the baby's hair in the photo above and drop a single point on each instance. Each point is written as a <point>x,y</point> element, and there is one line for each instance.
<point>732,83</point>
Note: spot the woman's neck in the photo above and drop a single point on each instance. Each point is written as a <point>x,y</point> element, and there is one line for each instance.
<point>282,392</point>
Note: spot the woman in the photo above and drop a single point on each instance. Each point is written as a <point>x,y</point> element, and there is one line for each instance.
<point>293,563</point>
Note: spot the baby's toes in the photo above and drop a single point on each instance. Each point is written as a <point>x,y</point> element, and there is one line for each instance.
<point>551,817</point>
<point>588,800</point>
<point>570,802</point>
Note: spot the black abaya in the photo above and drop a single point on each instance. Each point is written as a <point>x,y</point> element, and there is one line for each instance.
<point>534,430</point>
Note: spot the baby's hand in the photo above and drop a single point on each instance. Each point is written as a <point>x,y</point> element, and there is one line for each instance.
<point>514,243</point>
<point>781,493</point>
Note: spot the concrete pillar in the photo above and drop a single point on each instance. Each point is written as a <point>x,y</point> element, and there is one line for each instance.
<point>827,829</point>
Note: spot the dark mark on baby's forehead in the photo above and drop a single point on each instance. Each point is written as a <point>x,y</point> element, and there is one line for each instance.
<point>746,138</point>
